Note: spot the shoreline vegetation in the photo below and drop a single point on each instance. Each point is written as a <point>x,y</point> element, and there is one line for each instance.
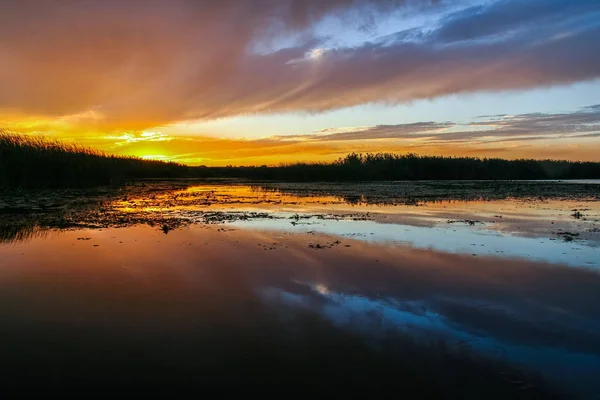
<point>29,162</point>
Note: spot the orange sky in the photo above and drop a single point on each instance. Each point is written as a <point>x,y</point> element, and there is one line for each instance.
<point>243,82</point>
<point>325,145</point>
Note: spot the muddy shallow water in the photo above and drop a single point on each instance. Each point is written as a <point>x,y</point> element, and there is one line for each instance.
<point>493,289</point>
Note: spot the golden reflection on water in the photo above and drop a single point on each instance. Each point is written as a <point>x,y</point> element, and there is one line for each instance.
<point>246,196</point>
<point>523,216</point>
<point>221,196</point>
<point>173,204</point>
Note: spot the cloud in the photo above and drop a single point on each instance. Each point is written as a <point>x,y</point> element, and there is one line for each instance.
<point>501,127</point>
<point>399,131</point>
<point>505,17</point>
<point>559,135</point>
<point>129,138</point>
<point>134,67</point>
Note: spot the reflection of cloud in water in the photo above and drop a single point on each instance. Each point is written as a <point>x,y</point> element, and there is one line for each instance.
<point>541,315</point>
<point>362,313</point>
<point>378,317</point>
<point>527,303</point>
<point>452,238</point>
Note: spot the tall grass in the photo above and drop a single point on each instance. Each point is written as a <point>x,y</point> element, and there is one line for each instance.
<point>36,162</point>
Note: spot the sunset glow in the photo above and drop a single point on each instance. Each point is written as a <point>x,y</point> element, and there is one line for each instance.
<point>269,82</point>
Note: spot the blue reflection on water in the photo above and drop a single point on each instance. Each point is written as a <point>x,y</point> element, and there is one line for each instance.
<point>376,317</point>
<point>451,239</point>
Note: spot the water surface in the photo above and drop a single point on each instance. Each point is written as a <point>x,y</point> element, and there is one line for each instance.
<point>219,283</point>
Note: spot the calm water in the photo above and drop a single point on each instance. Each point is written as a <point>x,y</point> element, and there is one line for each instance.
<point>329,285</point>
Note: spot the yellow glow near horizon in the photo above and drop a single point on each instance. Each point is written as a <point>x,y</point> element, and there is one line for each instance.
<point>160,157</point>
<point>323,145</point>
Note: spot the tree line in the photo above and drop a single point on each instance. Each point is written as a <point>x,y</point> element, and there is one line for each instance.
<point>34,162</point>
<point>386,166</point>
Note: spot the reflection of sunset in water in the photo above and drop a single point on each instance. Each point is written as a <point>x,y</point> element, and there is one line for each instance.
<point>168,271</point>
<point>319,206</point>
<point>136,283</point>
<point>227,195</point>
<point>222,196</point>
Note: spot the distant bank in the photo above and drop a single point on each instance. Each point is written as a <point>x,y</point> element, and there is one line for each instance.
<point>28,162</point>
<point>396,167</point>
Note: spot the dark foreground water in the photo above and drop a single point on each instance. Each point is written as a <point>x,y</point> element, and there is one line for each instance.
<point>226,286</point>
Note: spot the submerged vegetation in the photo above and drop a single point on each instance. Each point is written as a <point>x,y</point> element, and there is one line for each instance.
<point>34,162</point>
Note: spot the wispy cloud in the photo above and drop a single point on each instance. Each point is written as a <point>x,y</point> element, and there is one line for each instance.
<point>500,127</point>
<point>505,18</point>
<point>400,131</point>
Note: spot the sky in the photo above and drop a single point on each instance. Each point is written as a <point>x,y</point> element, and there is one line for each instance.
<point>253,82</point>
